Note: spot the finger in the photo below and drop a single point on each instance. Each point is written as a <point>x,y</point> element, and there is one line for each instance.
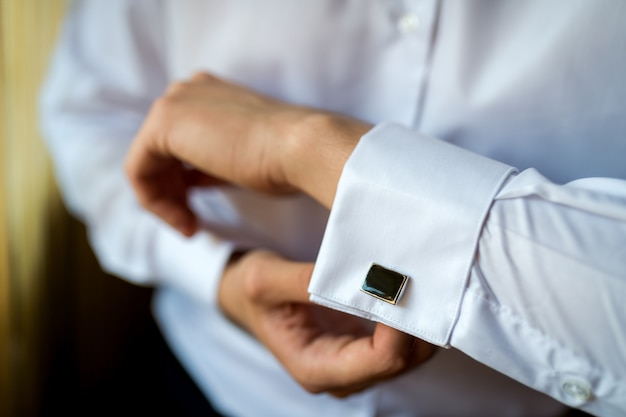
<point>169,205</point>
<point>393,352</point>
<point>203,76</point>
<point>366,361</point>
<point>160,187</point>
<point>391,344</point>
<point>398,352</point>
<point>422,351</point>
<point>385,352</point>
<point>275,280</point>
<point>173,210</point>
<point>345,392</point>
<point>196,178</point>
<point>177,215</point>
<point>342,364</point>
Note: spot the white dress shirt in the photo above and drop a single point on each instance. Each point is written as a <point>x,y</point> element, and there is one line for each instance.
<point>521,271</point>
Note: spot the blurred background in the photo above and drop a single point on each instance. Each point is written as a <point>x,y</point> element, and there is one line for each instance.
<point>70,336</point>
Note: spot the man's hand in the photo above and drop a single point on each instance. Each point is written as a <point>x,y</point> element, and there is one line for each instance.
<point>219,128</point>
<point>207,131</point>
<point>324,350</point>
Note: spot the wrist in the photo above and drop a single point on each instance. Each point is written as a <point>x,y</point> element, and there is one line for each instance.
<point>317,148</point>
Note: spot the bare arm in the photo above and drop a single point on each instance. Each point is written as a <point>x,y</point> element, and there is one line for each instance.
<point>230,134</point>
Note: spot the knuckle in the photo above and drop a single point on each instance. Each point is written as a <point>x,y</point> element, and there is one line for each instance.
<point>202,76</point>
<point>162,105</point>
<point>175,89</point>
<point>253,283</point>
<point>305,377</point>
<point>393,364</point>
<point>256,265</point>
<point>163,112</point>
<point>312,389</point>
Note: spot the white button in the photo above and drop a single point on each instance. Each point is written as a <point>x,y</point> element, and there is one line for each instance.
<point>577,391</point>
<point>408,23</point>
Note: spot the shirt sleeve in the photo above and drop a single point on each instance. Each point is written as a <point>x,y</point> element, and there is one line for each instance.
<point>524,275</point>
<point>107,69</point>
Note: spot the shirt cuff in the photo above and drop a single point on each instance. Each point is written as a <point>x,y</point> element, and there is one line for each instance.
<point>415,205</point>
<point>193,265</point>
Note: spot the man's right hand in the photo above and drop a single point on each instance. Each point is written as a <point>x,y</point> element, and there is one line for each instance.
<point>230,134</point>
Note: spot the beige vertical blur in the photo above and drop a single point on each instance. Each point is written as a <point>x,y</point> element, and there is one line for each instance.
<point>28,200</point>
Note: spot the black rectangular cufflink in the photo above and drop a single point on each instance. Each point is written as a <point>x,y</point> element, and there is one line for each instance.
<point>384,283</point>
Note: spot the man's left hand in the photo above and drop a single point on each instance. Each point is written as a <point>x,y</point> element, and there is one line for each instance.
<point>324,350</point>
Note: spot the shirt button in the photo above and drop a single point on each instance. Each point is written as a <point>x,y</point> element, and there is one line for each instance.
<point>408,23</point>
<point>577,391</point>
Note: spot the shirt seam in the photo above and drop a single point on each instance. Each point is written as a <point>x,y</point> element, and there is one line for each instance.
<point>577,260</point>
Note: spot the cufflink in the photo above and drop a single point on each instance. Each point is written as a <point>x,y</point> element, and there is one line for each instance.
<point>384,284</point>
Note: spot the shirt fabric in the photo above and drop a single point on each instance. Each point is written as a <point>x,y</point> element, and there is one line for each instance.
<point>494,179</point>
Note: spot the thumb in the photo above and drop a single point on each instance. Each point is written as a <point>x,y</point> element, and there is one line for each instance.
<point>280,281</point>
